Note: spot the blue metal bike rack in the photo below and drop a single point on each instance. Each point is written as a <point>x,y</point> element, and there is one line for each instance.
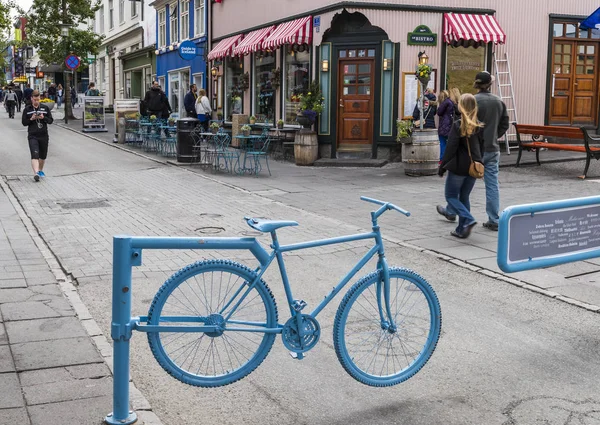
<point>546,234</point>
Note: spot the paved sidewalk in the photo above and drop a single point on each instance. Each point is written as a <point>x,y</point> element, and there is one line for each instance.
<point>52,353</point>
<point>295,186</point>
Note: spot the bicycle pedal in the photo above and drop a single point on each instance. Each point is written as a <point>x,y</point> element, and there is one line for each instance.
<point>297,356</point>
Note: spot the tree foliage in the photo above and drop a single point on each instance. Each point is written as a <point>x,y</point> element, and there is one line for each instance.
<point>43,30</point>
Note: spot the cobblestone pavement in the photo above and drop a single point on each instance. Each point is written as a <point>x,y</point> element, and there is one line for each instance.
<point>494,334</point>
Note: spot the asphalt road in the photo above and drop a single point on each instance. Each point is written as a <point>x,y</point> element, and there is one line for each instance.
<point>506,355</point>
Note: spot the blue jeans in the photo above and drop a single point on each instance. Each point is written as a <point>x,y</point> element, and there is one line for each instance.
<point>443,140</point>
<point>491,161</point>
<point>457,191</point>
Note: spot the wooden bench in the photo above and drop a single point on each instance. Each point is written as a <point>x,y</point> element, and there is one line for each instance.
<point>590,146</point>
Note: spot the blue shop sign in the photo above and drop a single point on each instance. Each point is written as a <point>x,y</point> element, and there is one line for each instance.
<point>187,50</point>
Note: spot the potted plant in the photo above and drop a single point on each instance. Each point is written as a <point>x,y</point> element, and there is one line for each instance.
<point>311,105</point>
<point>246,129</point>
<point>405,129</point>
<point>252,120</point>
<point>280,123</point>
<point>48,102</point>
<point>171,121</point>
<point>423,73</point>
<point>152,117</point>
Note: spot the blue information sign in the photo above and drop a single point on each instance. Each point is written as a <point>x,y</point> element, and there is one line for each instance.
<point>72,62</point>
<point>187,50</point>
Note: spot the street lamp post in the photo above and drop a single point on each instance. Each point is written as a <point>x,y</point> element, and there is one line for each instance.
<point>64,32</point>
<point>423,61</point>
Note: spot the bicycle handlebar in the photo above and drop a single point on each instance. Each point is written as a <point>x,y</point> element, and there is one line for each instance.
<point>387,205</point>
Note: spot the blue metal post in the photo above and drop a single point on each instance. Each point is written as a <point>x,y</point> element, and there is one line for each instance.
<point>123,259</point>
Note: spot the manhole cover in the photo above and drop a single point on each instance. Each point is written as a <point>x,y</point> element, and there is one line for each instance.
<point>210,215</point>
<point>83,203</point>
<point>210,230</point>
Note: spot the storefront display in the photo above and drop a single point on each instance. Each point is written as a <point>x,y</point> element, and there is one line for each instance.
<point>297,78</point>
<point>264,92</point>
<point>234,72</point>
<point>462,64</point>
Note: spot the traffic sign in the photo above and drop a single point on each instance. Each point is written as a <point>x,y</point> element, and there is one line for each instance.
<point>72,62</point>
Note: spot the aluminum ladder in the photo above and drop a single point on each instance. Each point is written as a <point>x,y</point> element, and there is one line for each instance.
<point>507,94</point>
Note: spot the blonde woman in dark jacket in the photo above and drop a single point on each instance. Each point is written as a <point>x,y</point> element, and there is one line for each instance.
<point>457,161</point>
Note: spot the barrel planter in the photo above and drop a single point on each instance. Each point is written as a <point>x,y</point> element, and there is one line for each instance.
<point>422,156</point>
<point>306,148</point>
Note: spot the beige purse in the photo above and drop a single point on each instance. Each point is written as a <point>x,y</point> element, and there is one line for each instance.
<point>476,169</point>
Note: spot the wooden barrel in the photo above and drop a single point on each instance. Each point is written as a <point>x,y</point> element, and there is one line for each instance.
<point>306,148</point>
<point>422,156</point>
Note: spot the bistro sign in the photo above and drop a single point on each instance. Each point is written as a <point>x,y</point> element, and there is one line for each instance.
<point>422,36</point>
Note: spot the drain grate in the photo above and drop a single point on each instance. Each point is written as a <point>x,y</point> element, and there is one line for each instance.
<point>83,204</point>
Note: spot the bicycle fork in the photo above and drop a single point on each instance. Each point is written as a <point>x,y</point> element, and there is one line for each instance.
<point>383,286</point>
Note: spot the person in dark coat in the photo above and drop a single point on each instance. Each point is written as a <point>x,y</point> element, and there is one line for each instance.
<point>52,92</point>
<point>189,102</point>
<point>19,94</point>
<point>445,112</point>
<point>155,100</point>
<point>27,94</point>
<point>429,105</point>
<point>457,161</point>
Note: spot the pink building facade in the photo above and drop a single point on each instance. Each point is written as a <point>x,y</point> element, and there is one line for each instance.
<point>364,53</point>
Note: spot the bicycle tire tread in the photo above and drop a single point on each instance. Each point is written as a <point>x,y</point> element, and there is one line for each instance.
<point>177,278</point>
<point>338,320</point>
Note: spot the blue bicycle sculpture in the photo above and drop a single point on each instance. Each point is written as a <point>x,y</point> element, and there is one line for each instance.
<point>214,322</point>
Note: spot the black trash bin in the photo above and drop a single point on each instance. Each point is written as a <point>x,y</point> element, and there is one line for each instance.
<point>185,142</point>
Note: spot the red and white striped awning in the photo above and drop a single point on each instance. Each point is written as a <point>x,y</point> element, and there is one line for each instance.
<point>253,41</point>
<point>464,29</point>
<point>298,31</point>
<point>225,47</point>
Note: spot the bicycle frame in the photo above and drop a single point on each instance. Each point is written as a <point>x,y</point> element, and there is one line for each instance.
<point>127,253</point>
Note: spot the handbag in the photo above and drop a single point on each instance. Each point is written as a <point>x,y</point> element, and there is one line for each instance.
<point>476,169</point>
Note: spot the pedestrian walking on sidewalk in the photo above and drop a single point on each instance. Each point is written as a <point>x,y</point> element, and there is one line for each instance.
<point>494,116</point>
<point>36,118</point>
<point>19,94</point>
<point>27,94</point>
<point>10,102</point>
<point>203,109</point>
<point>465,142</point>
<point>445,112</point>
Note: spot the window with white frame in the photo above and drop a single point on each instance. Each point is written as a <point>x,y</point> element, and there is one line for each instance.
<point>121,11</point>
<point>111,14</point>
<point>199,17</point>
<point>102,76</point>
<point>198,79</point>
<point>101,20</point>
<point>174,34</point>
<point>184,5</point>
<point>134,11</point>
<point>162,27</point>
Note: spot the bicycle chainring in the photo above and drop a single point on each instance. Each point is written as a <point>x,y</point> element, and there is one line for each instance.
<point>301,342</point>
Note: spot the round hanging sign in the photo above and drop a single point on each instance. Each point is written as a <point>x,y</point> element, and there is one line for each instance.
<point>187,50</point>
<point>72,62</point>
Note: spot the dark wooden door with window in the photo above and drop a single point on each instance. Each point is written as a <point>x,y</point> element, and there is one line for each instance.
<point>575,86</point>
<point>355,104</point>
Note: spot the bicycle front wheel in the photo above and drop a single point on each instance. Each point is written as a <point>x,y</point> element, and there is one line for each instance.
<point>212,293</point>
<point>376,356</point>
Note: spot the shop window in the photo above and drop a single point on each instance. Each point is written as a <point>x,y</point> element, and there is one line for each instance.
<point>297,78</point>
<point>264,92</point>
<point>462,64</point>
<point>234,72</point>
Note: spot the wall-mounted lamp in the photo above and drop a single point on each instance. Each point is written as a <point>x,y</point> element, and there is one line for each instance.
<point>171,47</point>
<point>423,58</point>
<point>213,71</point>
<point>157,52</point>
<point>325,65</point>
<point>387,64</point>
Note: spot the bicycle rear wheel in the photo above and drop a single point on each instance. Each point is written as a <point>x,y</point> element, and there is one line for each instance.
<point>205,293</point>
<point>373,355</point>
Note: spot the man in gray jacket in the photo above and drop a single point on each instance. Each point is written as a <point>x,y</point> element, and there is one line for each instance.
<point>492,113</point>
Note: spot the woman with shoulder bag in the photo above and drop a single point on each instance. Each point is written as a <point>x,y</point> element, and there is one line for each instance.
<point>463,161</point>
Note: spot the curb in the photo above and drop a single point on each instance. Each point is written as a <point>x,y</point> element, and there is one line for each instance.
<point>455,261</point>
<point>137,400</point>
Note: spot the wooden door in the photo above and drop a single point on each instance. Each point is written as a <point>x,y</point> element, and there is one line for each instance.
<point>562,81</point>
<point>574,94</point>
<point>355,105</point>
<point>585,84</point>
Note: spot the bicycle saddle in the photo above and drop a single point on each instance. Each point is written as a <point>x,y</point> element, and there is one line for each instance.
<point>267,226</point>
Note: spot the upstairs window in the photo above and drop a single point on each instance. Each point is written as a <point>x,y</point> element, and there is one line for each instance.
<point>185,19</point>
<point>174,34</point>
<point>199,18</point>
<point>162,28</point>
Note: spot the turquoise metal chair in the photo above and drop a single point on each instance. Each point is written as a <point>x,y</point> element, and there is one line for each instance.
<point>257,150</point>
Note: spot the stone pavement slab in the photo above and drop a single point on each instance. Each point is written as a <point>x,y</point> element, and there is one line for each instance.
<point>10,396</point>
<point>14,416</point>
<point>44,329</point>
